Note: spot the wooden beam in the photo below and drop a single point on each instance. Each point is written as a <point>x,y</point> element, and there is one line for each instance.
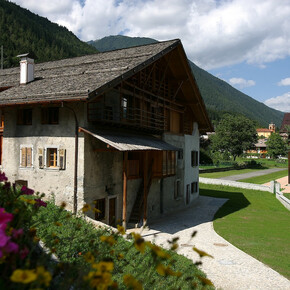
<point>124,214</point>
<point>145,188</point>
<point>105,150</point>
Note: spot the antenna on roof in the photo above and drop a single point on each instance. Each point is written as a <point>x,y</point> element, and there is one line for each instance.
<point>1,56</point>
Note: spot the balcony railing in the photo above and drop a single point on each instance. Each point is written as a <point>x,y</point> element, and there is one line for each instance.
<point>133,117</point>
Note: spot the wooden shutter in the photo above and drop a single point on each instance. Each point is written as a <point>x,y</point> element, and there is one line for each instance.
<point>61,158</point>
<point>28,156</point>
<point>40,157</point>
<point>23,156</point>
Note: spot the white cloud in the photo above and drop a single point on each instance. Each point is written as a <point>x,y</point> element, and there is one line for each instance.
<point>241,83</point>
<point>214,33</point>
<point>281,103</point>
<point>284,82</point>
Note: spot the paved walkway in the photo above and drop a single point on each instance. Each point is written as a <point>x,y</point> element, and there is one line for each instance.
<point>252,174</point>
<point>231,268</point>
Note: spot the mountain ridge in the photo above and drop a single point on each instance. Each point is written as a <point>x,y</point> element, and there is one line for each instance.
<point>220,97</point>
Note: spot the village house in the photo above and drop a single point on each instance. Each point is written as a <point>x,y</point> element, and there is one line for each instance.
<point>119,130</point>
<point>285,128</point>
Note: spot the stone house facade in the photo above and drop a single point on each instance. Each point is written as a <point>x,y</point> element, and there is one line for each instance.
<point>118,130</point>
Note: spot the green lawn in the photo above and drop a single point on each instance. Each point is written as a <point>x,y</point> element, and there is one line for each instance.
<point>266,178</point>
<point>267,162</point>
<point>254,221</point>
<point>287,195</point>
<point>227,173</point>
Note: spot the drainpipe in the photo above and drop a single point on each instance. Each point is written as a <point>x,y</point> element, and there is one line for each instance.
<point>76,158</point>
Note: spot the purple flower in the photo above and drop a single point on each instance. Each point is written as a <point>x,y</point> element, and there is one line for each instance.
<point>3,239</point>
<point>40,203</point>
<point>3,176</point>
<point>27,191</point>
<point>23,253</point>
<point>5,217</point>
<point>17,233</point>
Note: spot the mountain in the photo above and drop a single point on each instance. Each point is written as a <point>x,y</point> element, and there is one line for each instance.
<point>22,31</point>
<point>220,98</point>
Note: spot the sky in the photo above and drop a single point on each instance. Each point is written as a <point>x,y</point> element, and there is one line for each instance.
<point>244,42</point>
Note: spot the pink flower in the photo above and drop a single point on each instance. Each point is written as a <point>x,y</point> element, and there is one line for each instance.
<point>5,217</point>
<point>27,191</point>
<point>3,239</point>
<point>3,176</point>
<point>17,233</point>
<point>40,203</point>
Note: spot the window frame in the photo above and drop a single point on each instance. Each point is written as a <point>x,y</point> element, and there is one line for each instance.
<point>194,158</point>
<point>48,115</point>
<point>46,156</point>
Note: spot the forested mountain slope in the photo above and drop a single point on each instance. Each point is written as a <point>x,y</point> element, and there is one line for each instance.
<point>22,31</point>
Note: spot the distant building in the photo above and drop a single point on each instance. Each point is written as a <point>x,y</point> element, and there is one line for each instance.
<point>266,133</point>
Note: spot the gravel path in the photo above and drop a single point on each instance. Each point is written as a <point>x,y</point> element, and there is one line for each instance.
<point>252,174</point>
<point>231,268</point>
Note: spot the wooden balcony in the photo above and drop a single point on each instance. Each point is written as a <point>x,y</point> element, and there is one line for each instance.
<point>127,117</point>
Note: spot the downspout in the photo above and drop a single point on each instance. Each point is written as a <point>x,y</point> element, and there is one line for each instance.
<point>76,158</point>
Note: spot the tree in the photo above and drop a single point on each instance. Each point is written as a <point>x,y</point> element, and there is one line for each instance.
<point>234,134</point>
<point>276,146</point>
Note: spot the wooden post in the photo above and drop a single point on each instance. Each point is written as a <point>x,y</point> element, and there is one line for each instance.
<point>145,188</point>
<point>125,163</point>
<point>289,167</point>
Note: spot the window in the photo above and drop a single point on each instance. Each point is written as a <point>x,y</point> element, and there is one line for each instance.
<point>100,213</point>
<point>180,154</point>
<point>51,157</point>
<point>194,158</point>
<point>50,115</point>
<point>26,154</point>
<point>194,187</point>
<point>187,194</point>
<point>54,158</point>
<point>177,189</point>
<point>124,106</point>
<point>24,117</point>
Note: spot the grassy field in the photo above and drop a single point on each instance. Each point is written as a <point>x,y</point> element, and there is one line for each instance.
<point>287,195</point>
<point>227,173</point>
<point>267,162</point>
<point>255,222</point>
<point>266,178</point>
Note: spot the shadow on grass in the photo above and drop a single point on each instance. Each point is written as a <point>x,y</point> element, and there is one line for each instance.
<point>236,201</point>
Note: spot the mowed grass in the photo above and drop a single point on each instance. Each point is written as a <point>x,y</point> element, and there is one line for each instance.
<point>266,178</point>
<point>287,195</point>
<point>227,173</point>
<point>255,222</point>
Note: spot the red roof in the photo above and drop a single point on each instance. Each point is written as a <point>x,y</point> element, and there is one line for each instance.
<point>285,122</point>
<point>264,130</point>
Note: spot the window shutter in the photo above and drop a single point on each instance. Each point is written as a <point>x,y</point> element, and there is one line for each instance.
<point>28,156</point>
<point>23,156</point>
<point>61,158</point>
<point>41,157</point>
<point>44,116</point>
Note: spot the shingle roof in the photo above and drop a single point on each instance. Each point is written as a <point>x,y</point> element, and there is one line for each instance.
<point>264,130</point>
<point>75,78</point>
<point>285,122</point>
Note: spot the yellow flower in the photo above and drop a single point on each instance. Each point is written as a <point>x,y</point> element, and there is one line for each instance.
<point>30,201</point>
<point>201,253</point>
<point>120,256</point>
<point>86,208</point>
<point>89,257</point>
<point>104,267</point>
<point>139,242</point>
<point>43,276</point>
<point>158,251</point>
<point>205,281</point>
<point>166,271</point>
<point>95,210</point>
<point>121,229</point>
<point>131,282</point>
<point>23,276</point>
<point>108,239</point>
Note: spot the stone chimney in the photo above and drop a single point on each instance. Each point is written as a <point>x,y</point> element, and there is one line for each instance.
<point>26,68</point>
